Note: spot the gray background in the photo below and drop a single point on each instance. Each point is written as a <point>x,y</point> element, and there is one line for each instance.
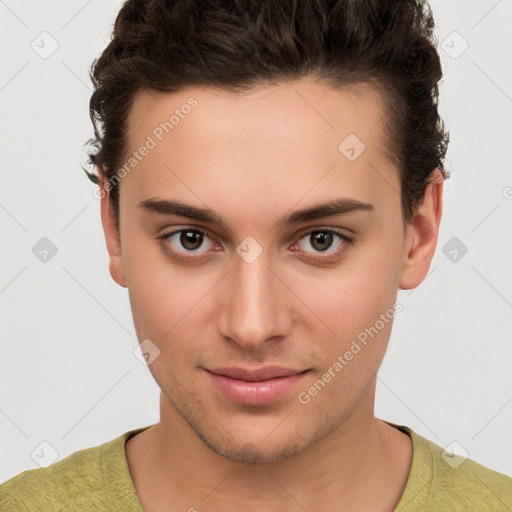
<point>69,376</point>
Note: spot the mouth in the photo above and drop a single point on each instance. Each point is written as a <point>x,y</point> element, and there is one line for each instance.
<point>255,386</point>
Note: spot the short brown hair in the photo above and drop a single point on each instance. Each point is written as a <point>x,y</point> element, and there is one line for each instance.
<point>236,45</point>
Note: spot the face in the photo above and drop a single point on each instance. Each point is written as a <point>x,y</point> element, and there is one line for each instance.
<point>253,286</point>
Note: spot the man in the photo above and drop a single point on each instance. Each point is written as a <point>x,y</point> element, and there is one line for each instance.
<point>271,173</point>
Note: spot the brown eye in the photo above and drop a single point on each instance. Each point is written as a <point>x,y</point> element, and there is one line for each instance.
<point>321,240</point>
<point>322,243</point>
<point>187,241</point>
<point>191,240</point>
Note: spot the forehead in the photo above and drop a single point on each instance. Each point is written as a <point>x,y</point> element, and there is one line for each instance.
<point>300,106</point>
<point>290,140</point>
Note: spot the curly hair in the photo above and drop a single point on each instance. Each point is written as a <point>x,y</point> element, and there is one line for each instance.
<point>236,45</point>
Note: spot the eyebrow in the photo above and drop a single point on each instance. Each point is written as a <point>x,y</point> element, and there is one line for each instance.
<point>341,206</point>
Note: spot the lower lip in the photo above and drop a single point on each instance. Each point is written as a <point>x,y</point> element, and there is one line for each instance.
<point>255,393</point>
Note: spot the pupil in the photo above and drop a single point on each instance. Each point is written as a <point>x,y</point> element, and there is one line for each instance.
<point>322,238</point>
<point>190,239</point>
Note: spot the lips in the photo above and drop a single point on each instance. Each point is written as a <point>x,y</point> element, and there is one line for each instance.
<point>266,373</point>
<point>255,386</point>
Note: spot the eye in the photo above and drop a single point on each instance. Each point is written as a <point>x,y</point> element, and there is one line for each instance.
<point>321,240</point>
<point>184,244</point>
<point>185,241</point>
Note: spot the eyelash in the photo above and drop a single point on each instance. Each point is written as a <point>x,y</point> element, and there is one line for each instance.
<point>347,242</point>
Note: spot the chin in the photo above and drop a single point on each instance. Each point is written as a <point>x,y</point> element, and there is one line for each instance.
<point>254,453</point>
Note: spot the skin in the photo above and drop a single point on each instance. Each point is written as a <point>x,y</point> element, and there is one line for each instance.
<point>252,158</point>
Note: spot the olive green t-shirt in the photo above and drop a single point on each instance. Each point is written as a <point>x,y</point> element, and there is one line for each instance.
<point>99,478</point>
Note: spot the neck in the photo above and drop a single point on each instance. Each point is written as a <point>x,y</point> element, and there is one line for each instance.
<point>363,464</point>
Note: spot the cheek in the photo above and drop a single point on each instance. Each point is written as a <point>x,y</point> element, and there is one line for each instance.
<point>355,307</point>
<point>160,293</point>
<point>359,321</point>
<point>353,299</point>
<point>171,306</point>
<point>163,311</point>
<point>161,301</point>
<point>349,356</point>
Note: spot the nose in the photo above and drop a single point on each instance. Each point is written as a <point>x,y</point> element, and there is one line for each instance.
<point>254,305</point>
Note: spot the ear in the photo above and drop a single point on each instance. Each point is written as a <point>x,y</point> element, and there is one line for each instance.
<point>112,235</point>
<point>421,234</point>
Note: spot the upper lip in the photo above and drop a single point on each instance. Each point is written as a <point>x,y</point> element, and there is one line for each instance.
<point>254,375</point>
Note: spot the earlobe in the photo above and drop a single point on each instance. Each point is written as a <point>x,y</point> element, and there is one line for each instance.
<point>112,237</point>
<point>421,234</point>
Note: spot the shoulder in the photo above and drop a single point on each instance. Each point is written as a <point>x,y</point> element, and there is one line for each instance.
<point>77,479</point>
<point>468,481</point>
<point>76,476</point>
<point>458,483</point>
<point>25,492</point>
